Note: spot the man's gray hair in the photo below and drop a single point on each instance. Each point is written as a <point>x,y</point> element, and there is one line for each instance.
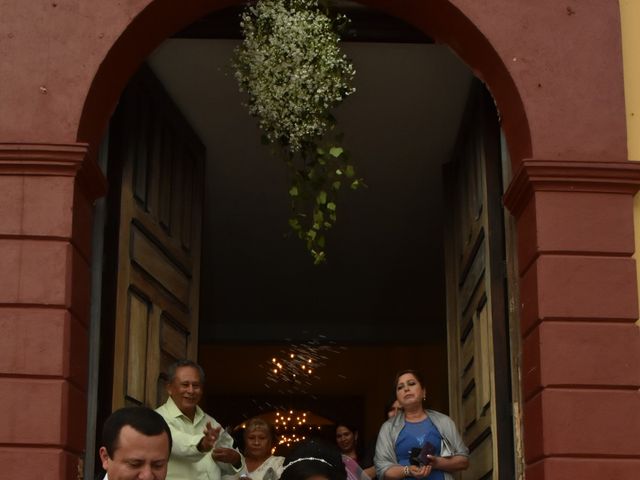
<point>184,362</point>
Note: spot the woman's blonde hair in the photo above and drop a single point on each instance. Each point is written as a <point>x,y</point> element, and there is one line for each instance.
<point>260,424</point>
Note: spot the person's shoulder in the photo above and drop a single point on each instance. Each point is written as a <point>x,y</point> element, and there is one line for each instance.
<point>437,414</point>
<point>386,425</point>
<point>391,423</point>
<point>276,460</point>
<point>440,417</point>
<point>168,409</point>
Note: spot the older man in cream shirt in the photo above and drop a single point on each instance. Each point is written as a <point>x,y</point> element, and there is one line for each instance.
<point>201,450</point>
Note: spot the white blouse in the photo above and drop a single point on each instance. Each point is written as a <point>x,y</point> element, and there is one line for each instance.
<point>271,469</point>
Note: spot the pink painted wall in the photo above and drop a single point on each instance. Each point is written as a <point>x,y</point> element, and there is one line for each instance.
<point>555,72</point>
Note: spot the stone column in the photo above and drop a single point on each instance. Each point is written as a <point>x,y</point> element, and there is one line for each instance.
<point>46,196</point>
<point>581,346</point>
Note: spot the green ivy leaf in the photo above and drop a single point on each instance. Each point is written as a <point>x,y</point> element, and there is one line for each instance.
<point>294,223</point>
<point>317,163</point>
<point>319,257</point>
<point>336,151</point>
<point>350,171</point>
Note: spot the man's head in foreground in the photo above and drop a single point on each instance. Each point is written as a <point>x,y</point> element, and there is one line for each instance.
<point>136,444</point>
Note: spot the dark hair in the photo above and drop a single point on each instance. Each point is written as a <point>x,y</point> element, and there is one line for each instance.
<point>356,440</point>
<point>142,419</point>
<point>348,425</point>
<point>404,372</point>
<point>314,457</point>
<point>184,362</point>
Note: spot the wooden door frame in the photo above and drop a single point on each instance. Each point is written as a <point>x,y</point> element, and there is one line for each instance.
<point>502,362</point>
<point>115,236</point>
<point>505,372</point>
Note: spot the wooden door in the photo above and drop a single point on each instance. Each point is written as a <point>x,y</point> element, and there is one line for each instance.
<point>479,359</point>
<point>160,210</point>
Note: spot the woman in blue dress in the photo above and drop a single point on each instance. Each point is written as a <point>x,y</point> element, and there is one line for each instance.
<point>418,443</point>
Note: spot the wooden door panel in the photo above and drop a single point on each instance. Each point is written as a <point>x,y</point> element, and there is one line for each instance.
<point>164,187</point>
<point>466,360</point>
<point>473,273</point>
<point>471,259</point>
<point>159,249</point>
<point>174,338</point>
<point>174,250</point>
<point>163,302</point>
<point>482,360</point>
<point>159,265</point>
<point>185,213</point>
<point>138,326</point>
<point>468,409</point>
<point>480,461</point>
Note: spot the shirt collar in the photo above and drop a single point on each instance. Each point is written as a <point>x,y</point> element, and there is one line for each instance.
<point>175,412</point>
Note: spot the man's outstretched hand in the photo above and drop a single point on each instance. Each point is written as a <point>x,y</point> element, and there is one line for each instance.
<point>210,438</point>
<point>227,455</point>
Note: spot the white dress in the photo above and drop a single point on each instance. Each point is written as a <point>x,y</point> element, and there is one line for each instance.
<point>270,469</point>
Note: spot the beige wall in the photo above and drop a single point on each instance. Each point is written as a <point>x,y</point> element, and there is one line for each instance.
<point>630,14</point>
<point>630,19</point>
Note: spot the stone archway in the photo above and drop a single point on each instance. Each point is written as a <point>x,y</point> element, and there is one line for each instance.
<point>443,20</point>
<point>555,72</point>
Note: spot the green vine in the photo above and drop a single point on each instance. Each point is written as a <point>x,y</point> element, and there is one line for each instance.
<point>294,72</point>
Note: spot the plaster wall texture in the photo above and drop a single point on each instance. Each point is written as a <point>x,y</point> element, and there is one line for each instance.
<point>556,74</point>
<point>52,52</point>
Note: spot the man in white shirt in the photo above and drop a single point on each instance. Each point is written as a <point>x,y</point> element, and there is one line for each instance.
<point>136,444</point>
<point>202,450</point>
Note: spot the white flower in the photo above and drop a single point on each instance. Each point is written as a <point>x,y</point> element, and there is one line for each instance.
<point>292,68</point>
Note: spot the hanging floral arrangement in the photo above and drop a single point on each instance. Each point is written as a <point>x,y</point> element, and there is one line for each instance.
<point>291,66</point>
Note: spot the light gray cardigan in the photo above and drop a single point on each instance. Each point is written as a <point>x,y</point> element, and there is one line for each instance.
<point>385,457</point>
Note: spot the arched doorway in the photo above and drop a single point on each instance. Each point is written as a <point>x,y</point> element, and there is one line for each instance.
<point>443,20</point>
<point>577,275</point>
<point>436,306</point>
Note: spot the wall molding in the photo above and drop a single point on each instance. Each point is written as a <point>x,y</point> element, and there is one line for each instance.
<point>66,160</point>
<point>569,176</point>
